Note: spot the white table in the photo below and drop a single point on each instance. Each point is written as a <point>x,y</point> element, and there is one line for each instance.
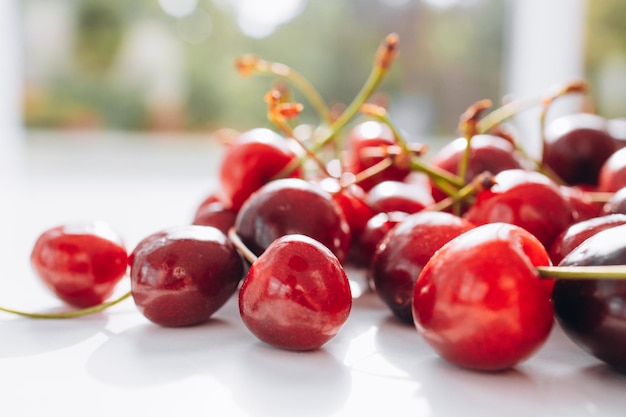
<point>118,363</point>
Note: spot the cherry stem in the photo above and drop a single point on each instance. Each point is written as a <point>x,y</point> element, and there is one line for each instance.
<point>583,272</point>
<point>468,127</point>
<point>252,63</point>
<point>384,57</point>
<point>241,247</point>
<point>69,314</point>
<point>480,182</point>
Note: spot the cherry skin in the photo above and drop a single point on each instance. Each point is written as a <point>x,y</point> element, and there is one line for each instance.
<point>612,175</point>
<point>254,158</point>
<point>527,199</point>
<point>362,251</point>
<point>364,137</point>
<point>292,206</point>
<point>214,212</point>
<point>296,295</point>
<point>578,232</point>
<point>479,301</point>
<point>583,206</point>
<point>489,153</point>
<point>616,203</point>
<point>180,276</point>
<point>388,196</point>
<point>402,254</point>
<point>576,147</point>
<point>591,311</point>
<point>81,263</point>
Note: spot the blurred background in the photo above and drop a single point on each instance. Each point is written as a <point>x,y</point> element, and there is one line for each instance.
<point>167,65</point>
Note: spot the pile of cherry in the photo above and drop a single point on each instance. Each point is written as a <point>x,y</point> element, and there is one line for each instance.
<point>479,246</point>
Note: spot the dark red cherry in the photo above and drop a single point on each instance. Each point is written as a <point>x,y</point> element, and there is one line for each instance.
<point>296,295</point>
<point>81,263</point>
<point>403,252</point>
<point>389,196</point>
<point>214,212</point>
<point>527,199</point>
<point>591,311</point>
<point>182,275</point>
<point>578,232</point>
<point>362,250</point>
<point>612,175</point>
<point>583,206</point>
<point>479,301</point>
<point>489,153</point>
<point>254,158</point>
<point>362,139</point>
<point>292,206</point>
<point>576,147</point>
<point>616,203</point>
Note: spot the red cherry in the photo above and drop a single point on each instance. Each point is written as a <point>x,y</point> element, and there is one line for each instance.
<point>366,136</point>
<point>292,206</point>
<point>402,254</point>
<point>362,251</point>
<point>616,203</point>
<point>479,301</point>
<point>214,212</point>
<point>576,147</point>
<point>527,199</point>
<point>583,206</point>
<point>388,196</point>
<point>81,263</point>
<point>180,276</point>
<point>612,175</point>
<point>489,153</point>
<point>296,295</point>
<point>254,158</point>
<point>577,233</point>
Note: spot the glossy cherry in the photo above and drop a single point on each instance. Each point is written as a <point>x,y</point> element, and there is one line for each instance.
<point>576,146</point>
<point>612,175</point>
<point>388,196</point>
<point>254,158</point>
<point>616,203</point>
<point>296,295</point>
<point>80,262</point>
<point>479,301</point>
<point>212,211</point>
<point>591,311</point>
<point>489,153</point>
<point>181,275</point>
<point>362,250</point>
<point>402,254</point>
<point>527,199</point>
<point>363,138</point>
<point>292,206</point>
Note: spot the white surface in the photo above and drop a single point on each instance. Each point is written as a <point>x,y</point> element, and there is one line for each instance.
<point>118,363</point>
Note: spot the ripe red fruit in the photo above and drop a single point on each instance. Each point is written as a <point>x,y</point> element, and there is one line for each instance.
<point>612,175</point>
<point>214,212</point>
<point>362,250</point>
<point>576,147</point>
<point>292,206</point>
<point>81,263</point>
<point>363,138</point>
<point>479,301</point>
<point>388,196</point>
<point>296,295</point>
<point>254,158</point>
<point>180,276</point>
<point>591,311</point>
<point>402,254</point>
<point>527,199</point>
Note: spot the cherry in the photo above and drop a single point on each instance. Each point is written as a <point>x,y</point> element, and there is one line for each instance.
<point>578,232</point>
<point>489,153</point>
<point>181,275</point>
<point>576,146</point>
<point>214,212</point>
<point>583,206</point>
<point>362,251</point>
<point>254,158</point>
<point>616,203</point>
<point>80,262</point>
<point>527,199</point>
<point>362,138</point>
<point>402,254</point>
<point>296,295</point>
<point>479,301</point>
<point>292,206</point>
<point>591,311</point>
<point>612,175</point>
<point>388,196</point>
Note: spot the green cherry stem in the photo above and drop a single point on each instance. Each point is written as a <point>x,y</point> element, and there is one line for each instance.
<point>583,272</point>
<point>69,314</point>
